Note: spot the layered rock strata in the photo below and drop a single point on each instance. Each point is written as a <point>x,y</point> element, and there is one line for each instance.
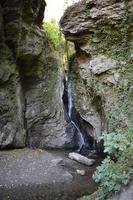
<point>31,85</point>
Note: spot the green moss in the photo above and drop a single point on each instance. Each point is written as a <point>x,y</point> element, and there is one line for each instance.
<point>116,44</point>
<point>115,41</point>
<point>114,38</point>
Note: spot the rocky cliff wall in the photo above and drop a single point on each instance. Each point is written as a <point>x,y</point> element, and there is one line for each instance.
<point>102,71</point>
<point>31,85</point>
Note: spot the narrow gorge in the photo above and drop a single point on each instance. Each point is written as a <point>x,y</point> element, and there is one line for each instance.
<point>48,111</point>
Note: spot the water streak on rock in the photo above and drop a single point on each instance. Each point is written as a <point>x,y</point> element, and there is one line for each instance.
<point>81,140</point>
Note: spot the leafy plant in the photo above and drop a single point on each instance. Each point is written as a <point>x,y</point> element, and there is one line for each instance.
<point>53,33</point>
<point>110,174</point>
<point>115,142</point>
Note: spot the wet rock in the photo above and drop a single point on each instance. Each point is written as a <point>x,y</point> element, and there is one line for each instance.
<point>71,136</point>
<point>37,174</point>
<point>81,159</point>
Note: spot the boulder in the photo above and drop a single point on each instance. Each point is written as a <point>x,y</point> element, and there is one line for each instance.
<point>81,159</point>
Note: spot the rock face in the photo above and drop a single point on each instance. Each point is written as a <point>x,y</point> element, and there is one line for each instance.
<point>12,133</point>
<point>31,86</point>
<point>102,69</point>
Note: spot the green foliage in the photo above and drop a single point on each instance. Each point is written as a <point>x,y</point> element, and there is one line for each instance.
<point>53,33</point>
<point>66,49</point>
<point>115,45</point>
<point>116,170</point>
<point>110,174</point>
<point>115,142</point>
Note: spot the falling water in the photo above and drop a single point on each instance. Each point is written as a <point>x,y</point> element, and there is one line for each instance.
<point>70,99</point>
<point>81,141</point>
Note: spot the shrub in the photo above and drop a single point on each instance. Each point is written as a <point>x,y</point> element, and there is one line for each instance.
<point>110,174</point>
<point>53,33</point>
<point>115,142</point>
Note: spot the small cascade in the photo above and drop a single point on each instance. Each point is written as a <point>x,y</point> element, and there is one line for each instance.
<point>70,98</point>
<point>79,132</point>
<point>81,140</point>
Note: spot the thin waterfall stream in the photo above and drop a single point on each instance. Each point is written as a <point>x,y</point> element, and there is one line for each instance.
<point>81,140</point>
<point>80,133</point>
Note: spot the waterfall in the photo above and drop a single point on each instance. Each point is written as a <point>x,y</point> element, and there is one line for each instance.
<point>81,141</point>
<point>70,99</point>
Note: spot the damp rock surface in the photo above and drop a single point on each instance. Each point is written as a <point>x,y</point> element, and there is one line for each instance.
<point>36,174</point>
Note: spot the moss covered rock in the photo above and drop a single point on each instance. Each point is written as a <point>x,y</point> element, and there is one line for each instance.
<point>102,70</point>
